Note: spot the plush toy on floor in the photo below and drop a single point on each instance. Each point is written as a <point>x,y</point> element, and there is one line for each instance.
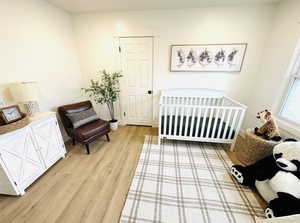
<point>270,129</point>
<point>277,179</point>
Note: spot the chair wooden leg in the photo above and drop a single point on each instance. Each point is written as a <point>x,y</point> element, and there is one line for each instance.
<point>87,148</point>
<point>74,142</point>
<point>107,137</point>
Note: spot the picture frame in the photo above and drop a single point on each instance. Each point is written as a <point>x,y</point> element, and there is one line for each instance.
<point>207,57</point>
<point>10,114</point>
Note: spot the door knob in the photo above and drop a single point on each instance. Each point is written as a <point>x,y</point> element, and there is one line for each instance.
<point>149,92</point>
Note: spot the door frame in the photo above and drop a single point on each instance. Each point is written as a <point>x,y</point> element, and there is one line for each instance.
<point>118,64</point>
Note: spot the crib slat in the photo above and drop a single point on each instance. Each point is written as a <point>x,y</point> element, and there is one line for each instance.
<point>176,120</point>
<point>185,101</point>
<point>160,121</point>
<point>181,121</point>
<point>209,122</point>
<point>186,125</point>
<point>240,121</point>
<point>227,124</point>
<point>193,121</point>
<point>165,120</point>
<point>232,126</point>
<point>215,123</point>
<point>198,121</point>
<point>221,123</point>
<point>212,102</point>
<point>203,123</point>
<point>171,119</point>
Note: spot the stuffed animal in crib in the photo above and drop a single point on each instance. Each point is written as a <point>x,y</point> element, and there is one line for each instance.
<point>277,179</point>
<point>270,129</point>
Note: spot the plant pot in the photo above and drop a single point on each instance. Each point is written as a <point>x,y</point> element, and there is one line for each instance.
<point>113,125</point>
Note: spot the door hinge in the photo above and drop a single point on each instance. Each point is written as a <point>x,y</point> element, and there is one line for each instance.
<point>120,49</point>
<point>124,113</point>
<point>15,183</point>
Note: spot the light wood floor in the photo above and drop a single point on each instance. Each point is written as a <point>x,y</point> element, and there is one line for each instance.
<point>82,188</point>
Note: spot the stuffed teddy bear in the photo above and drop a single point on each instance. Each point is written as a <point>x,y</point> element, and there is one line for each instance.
<point>270,129</point>
<point>277,179</point>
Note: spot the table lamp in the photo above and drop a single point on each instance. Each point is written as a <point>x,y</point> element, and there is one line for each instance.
<point>26,93</point>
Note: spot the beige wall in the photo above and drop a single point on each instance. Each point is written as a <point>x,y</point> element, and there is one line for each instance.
<point>273,77</point>
<point>37,44</point>
<point>251,24</point>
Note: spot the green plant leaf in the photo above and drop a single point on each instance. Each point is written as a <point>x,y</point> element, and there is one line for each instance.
<point>106,90</point>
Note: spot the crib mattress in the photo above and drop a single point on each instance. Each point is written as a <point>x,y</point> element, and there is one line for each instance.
<point>203,123</point>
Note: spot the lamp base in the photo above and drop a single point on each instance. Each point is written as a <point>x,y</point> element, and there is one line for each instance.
<point>31,107</point>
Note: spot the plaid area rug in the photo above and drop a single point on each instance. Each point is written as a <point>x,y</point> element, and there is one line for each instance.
<point>186,182</point>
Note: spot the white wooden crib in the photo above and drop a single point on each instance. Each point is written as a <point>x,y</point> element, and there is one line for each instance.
<point>199,115</point>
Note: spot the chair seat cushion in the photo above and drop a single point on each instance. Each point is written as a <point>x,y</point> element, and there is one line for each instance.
<point>92,129</point>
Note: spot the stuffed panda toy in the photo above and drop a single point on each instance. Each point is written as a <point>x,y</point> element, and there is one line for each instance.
<point>277,179</point>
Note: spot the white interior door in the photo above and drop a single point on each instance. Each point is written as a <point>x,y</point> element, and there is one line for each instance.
<point>136,85</point>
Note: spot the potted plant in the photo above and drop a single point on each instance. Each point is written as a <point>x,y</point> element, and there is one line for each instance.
<point>106,92</point>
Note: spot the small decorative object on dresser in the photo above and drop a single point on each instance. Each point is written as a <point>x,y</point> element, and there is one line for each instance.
<point>27,93</point>
<point>10,114</point>
<point>2,103</point>
<point>27,153</point>
<point>106,92</point>
<point>13,126</point>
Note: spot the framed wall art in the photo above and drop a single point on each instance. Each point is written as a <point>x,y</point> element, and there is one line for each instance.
<point>208,58</point>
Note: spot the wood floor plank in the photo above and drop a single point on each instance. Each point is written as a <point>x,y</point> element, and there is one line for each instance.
<point>99,207</point>
<point>37,190</point>
<point>90,192</point>
<point>119,195</point>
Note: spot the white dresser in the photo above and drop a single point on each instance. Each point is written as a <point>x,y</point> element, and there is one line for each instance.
<point>25,154</point>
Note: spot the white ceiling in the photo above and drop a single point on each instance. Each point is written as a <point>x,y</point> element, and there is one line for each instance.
<point>80,6</point>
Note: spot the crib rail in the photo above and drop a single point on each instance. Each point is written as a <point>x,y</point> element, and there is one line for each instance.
<point>207,119</point>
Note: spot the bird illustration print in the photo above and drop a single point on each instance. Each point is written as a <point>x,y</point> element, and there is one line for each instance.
<point>205,58</point>
<point>181,57</point>
<point>231,56</point>
<point>191,58</point>
<point>220,57</point>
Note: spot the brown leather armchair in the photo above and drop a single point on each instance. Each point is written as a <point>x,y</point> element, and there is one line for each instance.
<point>86,133</point>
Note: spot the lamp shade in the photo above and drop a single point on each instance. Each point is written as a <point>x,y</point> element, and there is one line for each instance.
<point>25,91</point>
